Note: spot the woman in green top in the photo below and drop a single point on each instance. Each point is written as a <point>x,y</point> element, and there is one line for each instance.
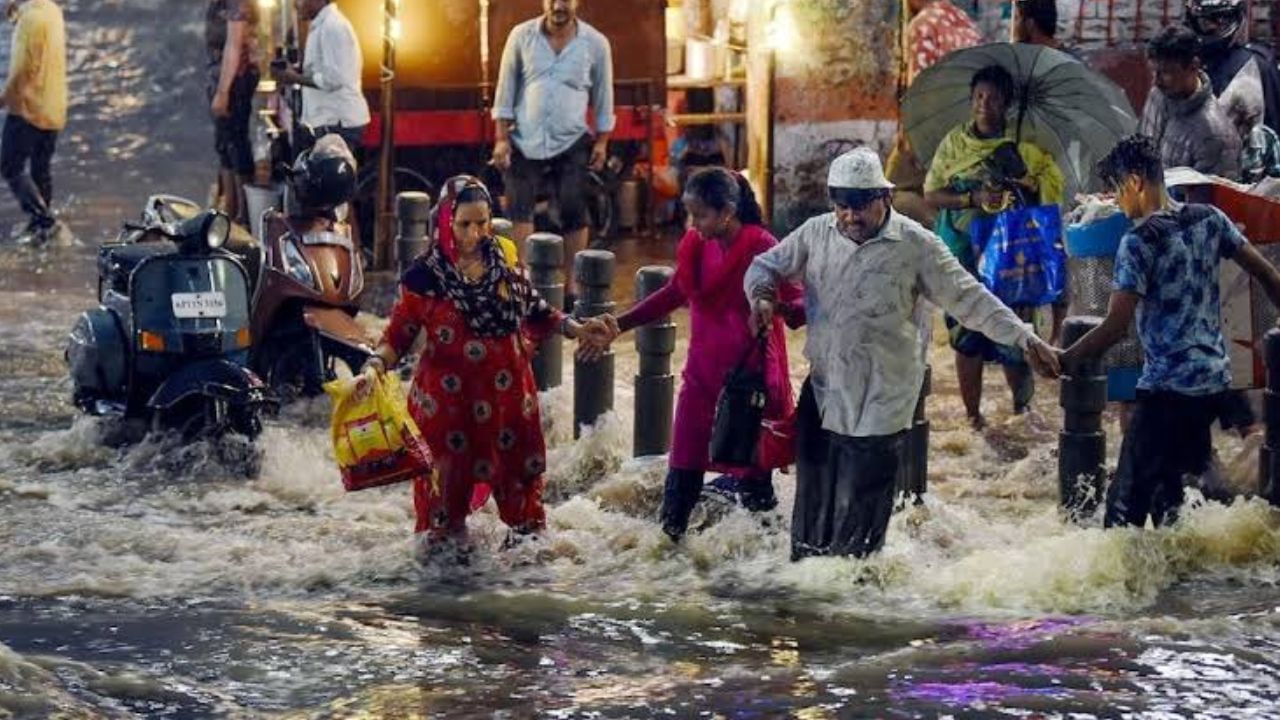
<point>975,172</point>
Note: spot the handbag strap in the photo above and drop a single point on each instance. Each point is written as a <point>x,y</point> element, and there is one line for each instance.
<point>760,343</point>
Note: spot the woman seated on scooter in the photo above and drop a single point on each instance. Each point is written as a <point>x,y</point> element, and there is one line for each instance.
<point>726,232</point>
<point>473,393</point>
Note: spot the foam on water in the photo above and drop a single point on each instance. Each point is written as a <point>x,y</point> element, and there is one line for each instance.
<point>160,520</point>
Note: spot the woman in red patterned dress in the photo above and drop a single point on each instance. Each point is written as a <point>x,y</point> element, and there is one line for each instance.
<point>473,394</point>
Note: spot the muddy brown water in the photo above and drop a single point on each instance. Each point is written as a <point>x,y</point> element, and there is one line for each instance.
<point>154,581</point>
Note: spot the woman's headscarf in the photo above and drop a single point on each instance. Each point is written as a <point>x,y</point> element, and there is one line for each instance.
<point>493,305</point>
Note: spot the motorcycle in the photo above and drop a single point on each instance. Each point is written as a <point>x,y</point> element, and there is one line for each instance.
<point>168,346</point>
<point>305,307</point>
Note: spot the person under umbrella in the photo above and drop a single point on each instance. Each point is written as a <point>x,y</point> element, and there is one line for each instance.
<point>972,174</point>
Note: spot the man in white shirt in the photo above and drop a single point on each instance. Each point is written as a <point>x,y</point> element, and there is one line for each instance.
<point>330,78</point>
<point>554,68</point>
<point>864,267</point>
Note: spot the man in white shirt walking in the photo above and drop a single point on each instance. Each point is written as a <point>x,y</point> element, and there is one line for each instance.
<point>330,78</point>
<point>864,267</point>
<point>554,67</point>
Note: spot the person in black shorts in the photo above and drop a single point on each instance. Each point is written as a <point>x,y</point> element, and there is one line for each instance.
<point>554,67</point>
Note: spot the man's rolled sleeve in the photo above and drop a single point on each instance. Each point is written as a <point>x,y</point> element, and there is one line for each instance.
<point>602,87</point>
<point>504,95</point>
<point>784,261</point>
<point>945,282</point>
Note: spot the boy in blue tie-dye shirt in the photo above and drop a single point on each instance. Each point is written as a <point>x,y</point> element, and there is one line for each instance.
<point>1166,271</point>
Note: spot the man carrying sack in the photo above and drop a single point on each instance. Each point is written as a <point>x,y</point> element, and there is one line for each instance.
<point>864,266</point>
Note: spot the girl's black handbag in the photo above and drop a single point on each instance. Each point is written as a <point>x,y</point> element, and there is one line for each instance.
<point>739,410</point>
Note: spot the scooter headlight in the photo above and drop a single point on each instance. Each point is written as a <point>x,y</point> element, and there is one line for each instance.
<point>216,230</point>
<point>296,265</point>
<point>204,232</point>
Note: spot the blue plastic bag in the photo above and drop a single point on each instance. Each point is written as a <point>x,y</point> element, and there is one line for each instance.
<point>1021,258</point>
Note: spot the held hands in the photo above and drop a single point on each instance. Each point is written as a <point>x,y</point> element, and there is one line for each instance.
<point>1045,359</point>
<point>595,335</point>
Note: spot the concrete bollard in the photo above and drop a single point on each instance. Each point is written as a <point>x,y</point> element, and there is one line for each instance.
<point>1269,457</point>
<point>502,227</point>
<point>655,385</point>
<point>1082,445</point>
<point>913,466</point>
<point>546,258</point>
<point>413,219</point>
<point>592,381</point>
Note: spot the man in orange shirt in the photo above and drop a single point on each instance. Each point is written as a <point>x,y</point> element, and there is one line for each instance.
<point>35,96</point>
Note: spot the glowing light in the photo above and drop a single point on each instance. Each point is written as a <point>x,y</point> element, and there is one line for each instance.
<point>394,28</point>
<point>267,4</point>
<point>783,35</point>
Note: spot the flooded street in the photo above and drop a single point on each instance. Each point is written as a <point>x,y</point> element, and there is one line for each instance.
<point>156,581</point>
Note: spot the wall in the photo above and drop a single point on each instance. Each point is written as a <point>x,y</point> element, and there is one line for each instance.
<point>835,80</point>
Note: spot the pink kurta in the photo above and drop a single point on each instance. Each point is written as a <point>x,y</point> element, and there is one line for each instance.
<point>719,338</point>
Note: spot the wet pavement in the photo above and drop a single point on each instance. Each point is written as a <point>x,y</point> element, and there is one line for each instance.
<point>156,581</point>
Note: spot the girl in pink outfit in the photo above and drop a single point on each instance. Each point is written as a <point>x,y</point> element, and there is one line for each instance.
<point>726,233</point>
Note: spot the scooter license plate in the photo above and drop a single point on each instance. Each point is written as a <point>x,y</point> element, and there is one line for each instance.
<point>199,305</point>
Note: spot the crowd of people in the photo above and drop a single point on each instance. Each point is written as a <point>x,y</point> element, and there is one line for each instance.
<point>854,277</point>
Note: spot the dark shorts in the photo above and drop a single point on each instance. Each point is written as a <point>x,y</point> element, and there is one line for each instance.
<point>231,133</point>
<point>565,175</point>
<point>1168,439</point>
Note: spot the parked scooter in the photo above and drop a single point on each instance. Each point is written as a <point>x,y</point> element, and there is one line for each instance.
<point>306,302</point>
<point>168,348</point>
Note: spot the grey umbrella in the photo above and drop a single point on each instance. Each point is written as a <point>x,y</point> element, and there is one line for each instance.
<point>1059,104</point>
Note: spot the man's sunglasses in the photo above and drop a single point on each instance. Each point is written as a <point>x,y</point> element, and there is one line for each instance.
<point>856,200</point>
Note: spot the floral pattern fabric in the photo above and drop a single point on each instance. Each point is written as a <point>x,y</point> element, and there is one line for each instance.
<point>475,400</point>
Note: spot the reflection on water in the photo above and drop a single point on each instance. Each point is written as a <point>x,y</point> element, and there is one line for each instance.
<point>154,581</point>
<point>136,120</point>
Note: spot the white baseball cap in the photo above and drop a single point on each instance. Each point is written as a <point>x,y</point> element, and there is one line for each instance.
<point>858,169</point>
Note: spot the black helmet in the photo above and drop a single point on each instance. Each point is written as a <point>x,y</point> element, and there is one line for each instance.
<point>324,176</point>
<point>1216,22</point>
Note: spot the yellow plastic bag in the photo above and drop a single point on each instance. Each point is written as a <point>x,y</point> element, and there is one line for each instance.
<point>375,440</point>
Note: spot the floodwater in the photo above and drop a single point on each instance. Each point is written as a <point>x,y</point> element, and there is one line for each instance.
<point>156,581</point>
